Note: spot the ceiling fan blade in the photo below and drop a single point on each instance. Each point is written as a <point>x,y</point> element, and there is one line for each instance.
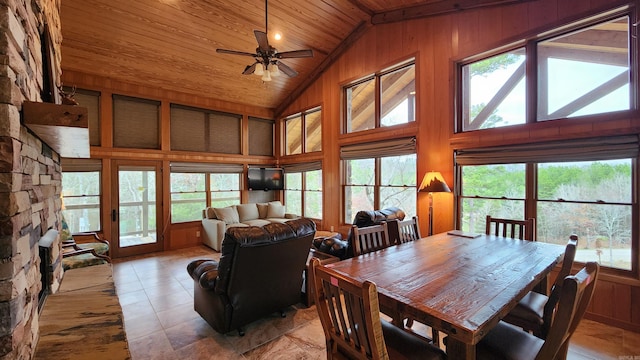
<point>287,70</point>
<point>263,41</point>
<point>249,69</point>
<point>295,54</point>
<point>233,52</point>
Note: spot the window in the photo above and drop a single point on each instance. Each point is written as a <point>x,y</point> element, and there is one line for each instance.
<point>81,195</point>
<point>303,132</point>
<point>224,189</point>
<point>581,187</point>
<point>194,186</point>
<point>188,196</point>
<point>376,182</point>
<point>383,99</point>
<point>581,70</point>
<point>303,192</point>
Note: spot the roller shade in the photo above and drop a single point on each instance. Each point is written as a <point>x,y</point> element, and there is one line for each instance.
<point>135,123</point>
<point>80,165</point>
<point>183,167</point>
<point>260,136</point>
<point>296,168</point>
<point>395,147</point>
<point>598,148</point>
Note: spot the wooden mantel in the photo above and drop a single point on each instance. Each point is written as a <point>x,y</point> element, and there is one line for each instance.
<point>64,128</point>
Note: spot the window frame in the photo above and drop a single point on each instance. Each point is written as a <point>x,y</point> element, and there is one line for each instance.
<point>303,131</point>
<point>78,207</point>
<point>377,185</point>
<point>531,67</point>
<point>531,202</point>
<point>304,190</point>
<point>377,100</point>
<point>186,201</point>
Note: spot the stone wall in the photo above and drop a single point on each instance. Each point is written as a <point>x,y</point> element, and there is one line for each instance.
<point>30,178</point>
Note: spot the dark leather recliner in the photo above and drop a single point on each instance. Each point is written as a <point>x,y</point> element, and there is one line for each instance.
<point>259,273</point>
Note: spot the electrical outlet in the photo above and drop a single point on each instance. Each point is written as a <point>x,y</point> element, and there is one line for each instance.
<point>197,233</point>
<point>331,228</point>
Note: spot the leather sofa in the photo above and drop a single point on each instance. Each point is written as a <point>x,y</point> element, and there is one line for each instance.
<point>259,273</point>
<point>216,221</point>
<point>343,249</point>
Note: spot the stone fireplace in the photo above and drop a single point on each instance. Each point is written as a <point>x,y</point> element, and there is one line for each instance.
<point>30,176</point>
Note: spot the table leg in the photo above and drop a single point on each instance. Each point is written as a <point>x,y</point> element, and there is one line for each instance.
<point>457,350</point>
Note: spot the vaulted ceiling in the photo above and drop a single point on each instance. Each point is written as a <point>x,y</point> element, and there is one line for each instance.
<point>171,44</point>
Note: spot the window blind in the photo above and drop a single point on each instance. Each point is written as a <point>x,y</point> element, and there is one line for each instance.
<point>224,133</point>
<point>188,129</point>
<point>589,149</point>
<point>91,100</point>
<point>80,165</point>
<point>260,136</point>
<point>395,147</point>
<point>135,123</point>
<point>302,167</point>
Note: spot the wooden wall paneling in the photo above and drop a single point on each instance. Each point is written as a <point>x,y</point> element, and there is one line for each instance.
<point>623,304</point>
<point>184,236</point>
<point>106,199</point>
<point>602,303</point>
<point>515,19</point>
<point>569,7</point>
<point>106,119</point>
<point>166,226</point>
<point>331,128</point>
<point>165,126</point>
<point>635,309</point>
<point>542,13</point>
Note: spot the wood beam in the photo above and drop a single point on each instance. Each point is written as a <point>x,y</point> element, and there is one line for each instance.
<point>435,8</point>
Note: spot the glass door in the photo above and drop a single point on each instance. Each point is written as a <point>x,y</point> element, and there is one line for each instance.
<point>136,217</point>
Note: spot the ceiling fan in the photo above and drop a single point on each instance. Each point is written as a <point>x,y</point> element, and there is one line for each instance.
<point>267,58</point>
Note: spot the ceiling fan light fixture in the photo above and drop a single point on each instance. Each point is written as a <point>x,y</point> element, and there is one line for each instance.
<point>274,70</point>
<point>259,70</point>
<point>266,76</point>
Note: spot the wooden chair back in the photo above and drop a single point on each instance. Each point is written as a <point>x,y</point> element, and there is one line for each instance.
<point>408,230</point>
<point>515,229</point>
<point>370,238</point>
<point>575,296</point>
<point>556,288</point>
<point>349,313</point>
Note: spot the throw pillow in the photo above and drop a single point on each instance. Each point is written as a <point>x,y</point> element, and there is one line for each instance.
<point>276,210</point>
<point>211,214</point>
<point>247,212</point>
<point>228,214</point>
<point>263,208</point>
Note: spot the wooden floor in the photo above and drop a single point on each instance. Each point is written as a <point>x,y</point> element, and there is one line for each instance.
<point>156,295</point>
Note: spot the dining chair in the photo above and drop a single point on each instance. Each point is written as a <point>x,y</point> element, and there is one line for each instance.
<point>350,315</point>
<point>506,341</point>
<point>408,230</point>
<point>370,238</point>
<point>534,313</point>
<point>515,229</point>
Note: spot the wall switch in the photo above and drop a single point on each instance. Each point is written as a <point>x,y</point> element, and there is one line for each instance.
<point>197,233</point>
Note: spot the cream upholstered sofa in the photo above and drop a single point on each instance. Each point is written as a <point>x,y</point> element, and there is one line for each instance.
<point>215,221</point>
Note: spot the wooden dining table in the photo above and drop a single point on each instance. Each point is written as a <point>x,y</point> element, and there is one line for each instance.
<point>461,285</point>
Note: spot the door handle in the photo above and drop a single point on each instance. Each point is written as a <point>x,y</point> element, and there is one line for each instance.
<point>114,215</point>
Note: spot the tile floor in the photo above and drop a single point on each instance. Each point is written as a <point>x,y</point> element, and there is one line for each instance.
<point>156,295</point>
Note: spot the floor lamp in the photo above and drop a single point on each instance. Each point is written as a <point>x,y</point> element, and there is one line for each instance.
<point>433,182</point>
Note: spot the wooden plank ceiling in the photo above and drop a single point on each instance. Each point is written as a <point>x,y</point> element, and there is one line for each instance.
<point>171,44</point>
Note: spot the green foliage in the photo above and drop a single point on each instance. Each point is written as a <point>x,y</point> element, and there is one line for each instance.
<point>487,66</point>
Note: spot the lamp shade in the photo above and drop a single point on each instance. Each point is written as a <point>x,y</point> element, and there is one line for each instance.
<point>433,182</point>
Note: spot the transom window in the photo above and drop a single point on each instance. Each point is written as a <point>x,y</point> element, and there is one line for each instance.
<point>303,132</point>
<point>580,71</point>
<point>383,99</point>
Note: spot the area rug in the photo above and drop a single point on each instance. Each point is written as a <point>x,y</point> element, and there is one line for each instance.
<point>83,320</point>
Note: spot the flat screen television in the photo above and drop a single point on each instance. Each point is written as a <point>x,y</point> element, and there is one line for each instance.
<point>265,179</point>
